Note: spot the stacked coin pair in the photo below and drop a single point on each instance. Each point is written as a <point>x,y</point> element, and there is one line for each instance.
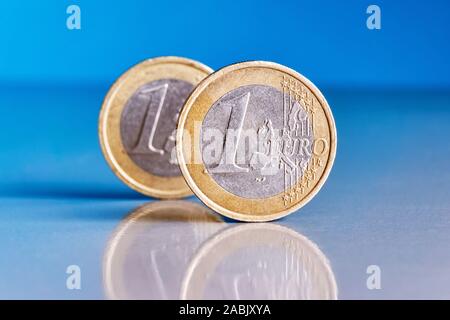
<point>254,141</point>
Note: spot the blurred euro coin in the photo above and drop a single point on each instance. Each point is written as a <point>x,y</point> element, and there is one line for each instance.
<point>138,122</point>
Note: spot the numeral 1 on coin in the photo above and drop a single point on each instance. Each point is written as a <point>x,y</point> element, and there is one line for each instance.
<point>143,145</point>
<point>227,162</point>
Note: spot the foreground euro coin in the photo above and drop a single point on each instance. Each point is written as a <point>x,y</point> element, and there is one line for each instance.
<point>256,141</point>
<point>138,122</point>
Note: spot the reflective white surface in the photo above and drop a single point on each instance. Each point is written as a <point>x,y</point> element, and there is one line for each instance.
<point>171,250</point>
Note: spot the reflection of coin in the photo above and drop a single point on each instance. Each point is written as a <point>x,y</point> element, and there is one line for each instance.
<point>138,121</point>
<point>259,261</point>
<point>148,254</point>
<point>266,138</point>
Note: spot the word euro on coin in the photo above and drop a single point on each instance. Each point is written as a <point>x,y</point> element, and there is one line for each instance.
<point>256,141</point>
<point>138,122</point>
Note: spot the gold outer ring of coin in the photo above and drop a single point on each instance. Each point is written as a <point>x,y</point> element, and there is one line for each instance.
<point>210,90</point>
<point>109,123</point>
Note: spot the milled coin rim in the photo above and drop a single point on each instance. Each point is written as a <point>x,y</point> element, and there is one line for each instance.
<point>114,153</point>
<point>234,214</point>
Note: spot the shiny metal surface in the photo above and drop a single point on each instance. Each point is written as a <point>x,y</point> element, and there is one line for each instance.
<point>385,203</point>
<point>262,127</point>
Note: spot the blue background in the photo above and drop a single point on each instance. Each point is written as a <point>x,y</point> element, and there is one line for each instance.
<point>325,40</point>
<point>386,200</point>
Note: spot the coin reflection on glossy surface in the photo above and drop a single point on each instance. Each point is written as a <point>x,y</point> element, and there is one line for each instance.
<point>148,254</point>
<point>263,261</point>
<point>182,250</point>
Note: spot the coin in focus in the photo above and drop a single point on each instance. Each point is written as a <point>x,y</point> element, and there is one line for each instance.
<point>138,122</point>
<point>256,141</point>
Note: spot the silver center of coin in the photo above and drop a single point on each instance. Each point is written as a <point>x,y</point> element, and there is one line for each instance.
<point>256,141</point>
<point>148,124</point>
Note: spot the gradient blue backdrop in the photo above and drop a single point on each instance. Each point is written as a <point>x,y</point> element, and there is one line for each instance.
<point>325,40</point>
<point>385,202</point>
<point>53,80</point>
